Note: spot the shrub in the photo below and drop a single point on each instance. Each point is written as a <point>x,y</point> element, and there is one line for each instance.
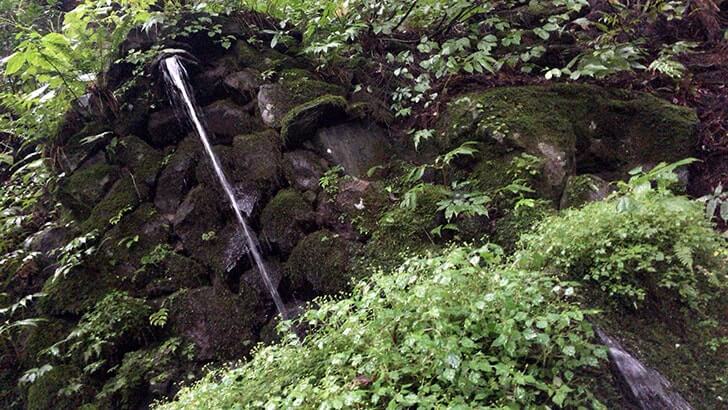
<point>659,245</point>
<point>445,330</point>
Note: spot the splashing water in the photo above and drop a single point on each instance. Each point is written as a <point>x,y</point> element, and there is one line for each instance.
<point>176,77</point>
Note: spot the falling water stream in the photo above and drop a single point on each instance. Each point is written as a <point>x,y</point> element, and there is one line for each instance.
<point>176,77</point>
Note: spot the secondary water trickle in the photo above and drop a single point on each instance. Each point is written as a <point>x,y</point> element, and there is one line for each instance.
<point>175,76</point>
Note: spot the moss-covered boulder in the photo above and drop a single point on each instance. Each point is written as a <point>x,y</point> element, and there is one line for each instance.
<point>37,339</point>
<point>401,228</point>
<point>85,187</point>
<point>304,169</point>
<point>77,291</point>
<point>178,175</point>
<point>302,121</point>
<point>141,164</point>
<point>294,87</point>
<point>209,231</point>
<point>286,219</point>
<point>321,261</point>
<point>258,159</point>
<point>355,146</point>
<point>252,166</point>
<point>139,158</point>
<point>164,128</point>
<point>574,128</point>
<point>132,238</point>
<point>220,324</point>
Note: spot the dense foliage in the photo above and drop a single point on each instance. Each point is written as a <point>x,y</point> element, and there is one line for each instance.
<point>647,243</point>
<point>456,329</point>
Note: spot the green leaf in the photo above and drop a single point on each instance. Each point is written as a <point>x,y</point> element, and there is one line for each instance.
<point>15,63</point>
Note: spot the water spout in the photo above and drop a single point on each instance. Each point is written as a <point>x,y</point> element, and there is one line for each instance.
<point>176,77</point>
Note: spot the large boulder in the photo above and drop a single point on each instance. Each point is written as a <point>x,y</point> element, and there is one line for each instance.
<point>574,129</point>
<point>304,169</point>
<point>321,262</point>
<point>252,166</point>
<point>84,188</point>
<point>178,176</point>
<point>294,87</point>
<point>356,146</point>
<point>302,121</point>
<point>286,219</point>
<point>243,85</point>
<point>225,119</point>
<point>166,127</point>
<point>210,232</point>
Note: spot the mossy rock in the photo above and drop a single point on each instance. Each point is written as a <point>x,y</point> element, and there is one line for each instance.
<point>262,60</point>
<point>142,161</point>
<point>76,292</point>
<point>78,148</point>
<point>362,202</point>
<point>679,344</point>
<point>582,189</point>
<point>322,260</point>
<point>302,121</point>
<point>574,128</point>
<point>44,393</point>
<point>173,273</point>
<point>123,197</point>
<point>304,86</point>
<point>259,157</point>
<point>285,219</point>
<point>509,227</point>
<point>294,87</point>
<point>402,230</point>
<point>137,234</point>
<point>220,324</point>
<point>85,187</point>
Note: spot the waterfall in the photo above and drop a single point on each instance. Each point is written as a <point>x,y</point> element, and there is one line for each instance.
<point>176,77</point>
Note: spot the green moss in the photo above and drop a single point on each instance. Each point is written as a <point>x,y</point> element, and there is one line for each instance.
<point>323,260</point>
<point>84,188</point>
<point>679,344</point>
<point>219,323</point>
<point>567,115</point>
<point>303,86</point>
<point>267,59</point>
<point>261,155</point>
<point>143,161</point>
<point>281,217</point>
<point>509,228</point>
<point>403,231</point>
<point>302,121</point>
<point>75,292</point>
<point>366,214</point>
<point>44,393</point>
<point>122,198</point>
